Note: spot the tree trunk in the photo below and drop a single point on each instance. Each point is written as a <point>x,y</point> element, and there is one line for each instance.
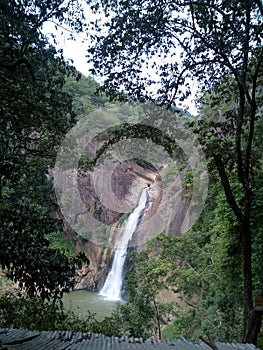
<point>158,320</point>
<point>253,327</point>
<point>255,317</point>
<point>252,318</point>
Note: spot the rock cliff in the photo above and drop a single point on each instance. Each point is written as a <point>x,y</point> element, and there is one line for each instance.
<point>128,179</point>
<point>96,200</point>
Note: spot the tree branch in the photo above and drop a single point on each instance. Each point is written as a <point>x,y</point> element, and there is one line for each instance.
<point>227,187</point>
<point>12,66</point>
<point>210,342</point>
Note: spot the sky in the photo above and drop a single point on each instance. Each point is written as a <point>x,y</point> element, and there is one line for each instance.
<point>75,50</point>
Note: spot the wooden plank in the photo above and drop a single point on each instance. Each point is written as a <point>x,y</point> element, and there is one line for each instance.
<point>259,302</point>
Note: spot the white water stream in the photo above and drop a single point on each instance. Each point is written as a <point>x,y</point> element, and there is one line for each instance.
<point>113,283</point>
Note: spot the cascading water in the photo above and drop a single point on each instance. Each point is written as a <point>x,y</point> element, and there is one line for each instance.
<point>113,284</point>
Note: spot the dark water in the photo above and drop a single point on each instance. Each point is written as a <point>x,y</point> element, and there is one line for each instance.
<point>83,301</point>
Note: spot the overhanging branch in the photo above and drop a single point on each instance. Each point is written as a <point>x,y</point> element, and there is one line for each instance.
<point>227,187</point>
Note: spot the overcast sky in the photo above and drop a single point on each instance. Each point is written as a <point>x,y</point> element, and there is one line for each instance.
<point>73,49</point>
<point>76,50</point>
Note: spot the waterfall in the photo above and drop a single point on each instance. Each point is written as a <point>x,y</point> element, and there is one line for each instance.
<point>113,284</point>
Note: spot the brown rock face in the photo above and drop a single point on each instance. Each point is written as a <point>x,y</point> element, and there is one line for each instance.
<point>126,183</point>
<point>90,277</point>
<point>166,212</point>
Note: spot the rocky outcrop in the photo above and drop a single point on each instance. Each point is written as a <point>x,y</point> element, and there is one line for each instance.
<point>91,276</point>
<point>104,195</point>
<point>127,181</point>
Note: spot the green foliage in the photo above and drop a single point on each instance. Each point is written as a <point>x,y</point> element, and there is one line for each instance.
<point>29,313</point>
<point>188,182</point>
<point>220,45</point>
<point>36,112</point>
<point>85,160</point>
<point>230,140</point>
<point>141,131</point>
<point>209,275</point>
<point>143,315</point>
<point>59,241</point>
<point>26,219</point>
<point>85,99</point>
<point>147,37</point>
<point>205,265</point>
<point>257,227</point>
<point>122,219</point>
<point>203,268</point>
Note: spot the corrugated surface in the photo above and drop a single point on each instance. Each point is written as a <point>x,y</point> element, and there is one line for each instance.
<point>17,339</point>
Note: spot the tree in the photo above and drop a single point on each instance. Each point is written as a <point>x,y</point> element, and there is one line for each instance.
<point>85,98</point>
<point>238,169</point>
<point>205,277</point>
<point>207,40</point>
<point>144,315</point>
<point>36,112</point>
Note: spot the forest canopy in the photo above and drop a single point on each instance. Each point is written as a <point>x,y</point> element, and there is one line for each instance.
<point>36,112</point>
